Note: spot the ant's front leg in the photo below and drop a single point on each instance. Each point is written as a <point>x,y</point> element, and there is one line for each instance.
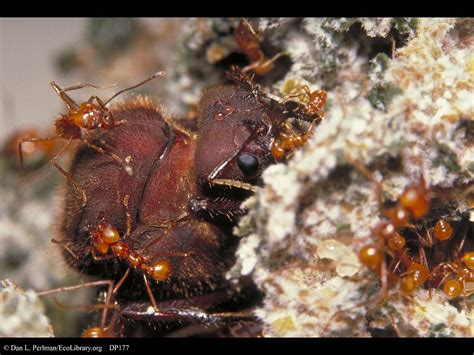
<point>101,257</point>
<point>197,309</point>
<point>264,65</point>
<point>86,85</point>
<point>217,207</point>
<point>67,175</point>
<point>184,314</point>
<point>125,164</point>
<point>70,103</point>
<point>102,105</point>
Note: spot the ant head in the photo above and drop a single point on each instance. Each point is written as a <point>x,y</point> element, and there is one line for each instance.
<point>236,126</point>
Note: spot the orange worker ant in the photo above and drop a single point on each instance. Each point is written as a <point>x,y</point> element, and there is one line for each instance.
<point>92,115</point>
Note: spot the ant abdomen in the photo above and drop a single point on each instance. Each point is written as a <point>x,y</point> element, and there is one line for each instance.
<point>143,140</point>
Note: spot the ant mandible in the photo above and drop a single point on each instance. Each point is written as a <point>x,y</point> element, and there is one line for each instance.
<point>92,115</point>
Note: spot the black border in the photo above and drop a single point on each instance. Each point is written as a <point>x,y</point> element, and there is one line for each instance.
<point>206,346</point>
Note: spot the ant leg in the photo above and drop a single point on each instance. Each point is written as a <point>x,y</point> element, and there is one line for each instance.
<point>81,307</point>
<point>101,257</point>
<point>121,281</point>
<point>395,326</point>
<point>31,140</point>
<point>109,283</point>
<point>384,281</point>
<point>86,85</point>
<point>441,282</point>
<point>110,294</point>
<point>461,243</point>
<point>67,175</point>
<point>369,175</point>
<point>77,287</point>
<point>188,314</point>
<point>195,309</point>
<point>217,207</point>
<point>128,216</point>
<point>177,127</point>
<point>467,192</point>
<point>263,65</point>
<point>341,312</point>
<point>395,267</point>
<point>115,157</point>
<point>97,99</point>
<point>70,103</point>
<point>69,250</point>
<point>150,294</point>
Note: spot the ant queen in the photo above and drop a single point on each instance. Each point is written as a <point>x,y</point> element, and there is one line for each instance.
<point>161,238</point>
<point>90,116</point>
<point>164,234</point>
<point>151,202</point>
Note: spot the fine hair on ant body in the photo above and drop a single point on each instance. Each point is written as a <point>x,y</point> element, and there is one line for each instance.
<point>92,115</point>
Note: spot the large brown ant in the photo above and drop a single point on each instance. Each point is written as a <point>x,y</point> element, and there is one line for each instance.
<point>169,225</point>
<point>90,116</point>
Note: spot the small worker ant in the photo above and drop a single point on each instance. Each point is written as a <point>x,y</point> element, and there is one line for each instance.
<point>289,140</point>
<point>309,109</point>
<point>248,41</point>
<point>92,115</point>
<point>414,271</point>
<point>312,102</point>
<point>413,204</point>
<point>463,271</point>
<point>456,263</point>
<point>106,237</point>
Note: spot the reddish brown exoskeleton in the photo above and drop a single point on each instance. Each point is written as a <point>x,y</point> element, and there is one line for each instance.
<point>81,119</point>
<point>173,217</point>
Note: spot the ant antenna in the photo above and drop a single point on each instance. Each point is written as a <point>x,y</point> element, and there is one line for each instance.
<point>157,74</point>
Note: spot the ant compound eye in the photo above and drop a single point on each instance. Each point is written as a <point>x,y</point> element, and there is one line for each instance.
<point>248,163</point>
